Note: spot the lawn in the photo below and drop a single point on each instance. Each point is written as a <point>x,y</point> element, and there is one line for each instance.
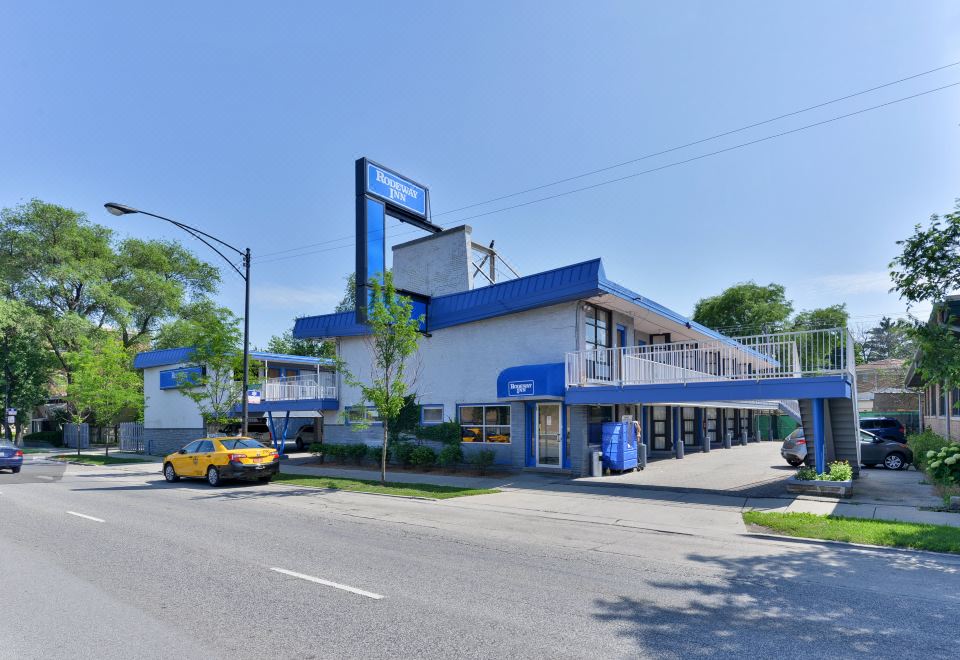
<point>97,459</point>
<point>916,536</point>
<point>432,491</point>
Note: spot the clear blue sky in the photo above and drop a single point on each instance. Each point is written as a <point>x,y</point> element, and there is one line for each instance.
<point>245,119</point>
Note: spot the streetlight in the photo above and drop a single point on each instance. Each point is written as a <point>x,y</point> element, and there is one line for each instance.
<point>121,209</point>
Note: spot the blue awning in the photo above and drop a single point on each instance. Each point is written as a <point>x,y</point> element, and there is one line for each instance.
<point>532,381</point>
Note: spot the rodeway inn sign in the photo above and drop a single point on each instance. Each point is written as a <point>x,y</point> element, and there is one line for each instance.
<point>395,189</point>
<point>520,388</point>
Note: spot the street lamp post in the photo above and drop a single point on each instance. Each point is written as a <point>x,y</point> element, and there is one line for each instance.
<point>120,209</point>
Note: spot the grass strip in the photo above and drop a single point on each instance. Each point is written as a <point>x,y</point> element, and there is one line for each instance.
<point>433,491</point>
<point>88,459</point>
<point>916,536</point>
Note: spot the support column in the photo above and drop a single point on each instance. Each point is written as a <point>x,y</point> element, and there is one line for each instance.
<point>948,413</point>
<point>819,436</point>
<point>677,434</point>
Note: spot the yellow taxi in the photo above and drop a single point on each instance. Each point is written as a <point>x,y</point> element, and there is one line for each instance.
<point>218,459</point>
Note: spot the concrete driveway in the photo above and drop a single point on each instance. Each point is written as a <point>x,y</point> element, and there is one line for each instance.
<point>756,470</point>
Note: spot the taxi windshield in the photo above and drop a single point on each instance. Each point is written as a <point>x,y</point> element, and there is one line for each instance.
<point>241,443</point>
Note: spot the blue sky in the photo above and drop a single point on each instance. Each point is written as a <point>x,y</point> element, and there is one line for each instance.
<point>245,119</point>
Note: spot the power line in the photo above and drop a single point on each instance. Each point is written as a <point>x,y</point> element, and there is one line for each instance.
<point>647,156</point>
<point>700,141</point>
<point>666,166</point>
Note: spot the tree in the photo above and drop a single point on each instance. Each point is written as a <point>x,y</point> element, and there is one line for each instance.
<point>290,345</point>
<point>888,339</point>
<point>349,300</point>
<point>70,272</point>
<point>744,309</point>
<point>394,338</point>
<point>834,316</point>
<point>927,269</point>
<point>104,384</point>
<point>25,367</point>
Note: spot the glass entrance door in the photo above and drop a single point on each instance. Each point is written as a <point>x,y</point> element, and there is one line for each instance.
<point>661,429</point>
<point>548,435</point>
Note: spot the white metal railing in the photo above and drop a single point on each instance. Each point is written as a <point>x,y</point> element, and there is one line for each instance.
<point>780,355</point>
<point>294,388</point>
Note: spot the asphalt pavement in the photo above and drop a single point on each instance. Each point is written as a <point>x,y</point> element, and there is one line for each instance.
<point>113,562</point>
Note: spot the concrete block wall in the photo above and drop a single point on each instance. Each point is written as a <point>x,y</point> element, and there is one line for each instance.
<point>939,425</point>
<point>160,442</point>
<point>435,265</point>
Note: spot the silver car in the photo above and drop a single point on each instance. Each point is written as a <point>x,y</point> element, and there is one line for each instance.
<point>794,448</point>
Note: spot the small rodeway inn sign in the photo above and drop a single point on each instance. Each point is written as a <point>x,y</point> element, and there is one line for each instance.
<point>520,388</point>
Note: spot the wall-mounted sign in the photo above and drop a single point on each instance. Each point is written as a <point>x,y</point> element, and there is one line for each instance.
<point>173,378</point>
<point>253,396</point>
<point>396,190</point>
<point>520,388</point>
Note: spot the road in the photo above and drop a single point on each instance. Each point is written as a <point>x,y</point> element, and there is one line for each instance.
<point>155,570</point>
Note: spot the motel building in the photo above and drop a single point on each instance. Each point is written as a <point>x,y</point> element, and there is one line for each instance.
<point>530,367</point>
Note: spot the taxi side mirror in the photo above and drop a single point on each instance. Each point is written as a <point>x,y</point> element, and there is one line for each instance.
<point>182,451</point>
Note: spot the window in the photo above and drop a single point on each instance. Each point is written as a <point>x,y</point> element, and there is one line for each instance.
<point>205,447</point>
<point>242,443</point>
<point>431,414</point>
<point>485,424</point>
<point>597,328</point>
<point>362,414</point>
<point>191,448</point>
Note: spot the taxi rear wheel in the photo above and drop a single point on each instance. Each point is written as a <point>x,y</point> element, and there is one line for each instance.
<point>213,476</point>
<point>170,474</point>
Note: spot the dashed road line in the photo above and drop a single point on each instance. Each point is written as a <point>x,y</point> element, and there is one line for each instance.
<point>328,583</point>
<point>83,515</point>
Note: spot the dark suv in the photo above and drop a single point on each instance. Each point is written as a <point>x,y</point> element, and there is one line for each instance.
<point>887,428</point>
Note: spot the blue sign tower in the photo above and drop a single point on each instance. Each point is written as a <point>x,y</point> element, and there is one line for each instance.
<point>381,192</point>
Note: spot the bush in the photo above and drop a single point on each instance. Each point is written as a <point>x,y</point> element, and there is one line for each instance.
<point>921,443</point>
<point>356,452</point>
<point>944,465</point>
<point>482,460</point>
<point>54,438</point>
<point>447,432</point>
<point>336,452</point>
<point>375,453</point>
<point>423,457</point>
<point>839,471</point>
<point>316,448</point>
<point>401,452</point>
<point>450,456</point>
<point>806,474</point>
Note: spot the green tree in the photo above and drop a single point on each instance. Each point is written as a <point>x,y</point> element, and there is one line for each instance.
<point>834,316</point>
<point>78,281</point>
<point>25,367</point>
<point>215,337</point>
<point>888,339</point>
<point>104,385</point>
<point>290,345</point>
<point>349,300</point>
<point>394,338</point>
<point>745,309</point>
<point>927,270</point>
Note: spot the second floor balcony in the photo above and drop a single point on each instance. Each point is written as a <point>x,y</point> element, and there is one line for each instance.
<point>300,388</point>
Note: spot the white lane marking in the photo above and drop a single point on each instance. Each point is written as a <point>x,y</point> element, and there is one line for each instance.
<point>83,515</point>
<point>335,585</point>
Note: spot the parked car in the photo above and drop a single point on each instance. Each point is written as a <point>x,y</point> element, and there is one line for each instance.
<point>218,459</point>
<point>794,447</point>
<point>875,449</point>
<point>11,457</point>
<point>885,427</point>
<point>305,437</point>
<point>259,431</point>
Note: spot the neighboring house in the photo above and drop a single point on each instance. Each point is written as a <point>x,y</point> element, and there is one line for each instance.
<point>880,387</point>
<point>531,367</point>
<point>297,386</point>
<point>940,411</point>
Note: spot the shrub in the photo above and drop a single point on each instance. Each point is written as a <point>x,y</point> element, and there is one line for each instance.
<point>450,456</point>
<point>316,448</point>
<point>54,438</point>
<point>840,471</point>
<point>423,457</point>
<point>356,452</point>
<point>375,453</point>
<point>806,473</point>
<point>921,443</point>
<point>944,465</point>
<point>401,452</point>
<point>336,452</point>
<point>447,432</point>
<point>483,459</point>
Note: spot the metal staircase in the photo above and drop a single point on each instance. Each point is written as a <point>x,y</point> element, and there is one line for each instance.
<point>841,430</point>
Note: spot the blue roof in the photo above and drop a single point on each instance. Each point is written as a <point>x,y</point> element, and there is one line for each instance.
<point>167,356</point>
<point>574,282</point>
<point>162,357</point>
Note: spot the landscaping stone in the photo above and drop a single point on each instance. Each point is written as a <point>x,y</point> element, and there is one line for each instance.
<point>829,488</point>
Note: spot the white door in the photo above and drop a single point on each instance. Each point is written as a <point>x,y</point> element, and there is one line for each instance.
<point>548,434</point>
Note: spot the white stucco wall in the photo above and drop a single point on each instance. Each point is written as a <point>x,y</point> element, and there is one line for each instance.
<point>167,409</point>
<point>460,364</point>
<point>435,265</point>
